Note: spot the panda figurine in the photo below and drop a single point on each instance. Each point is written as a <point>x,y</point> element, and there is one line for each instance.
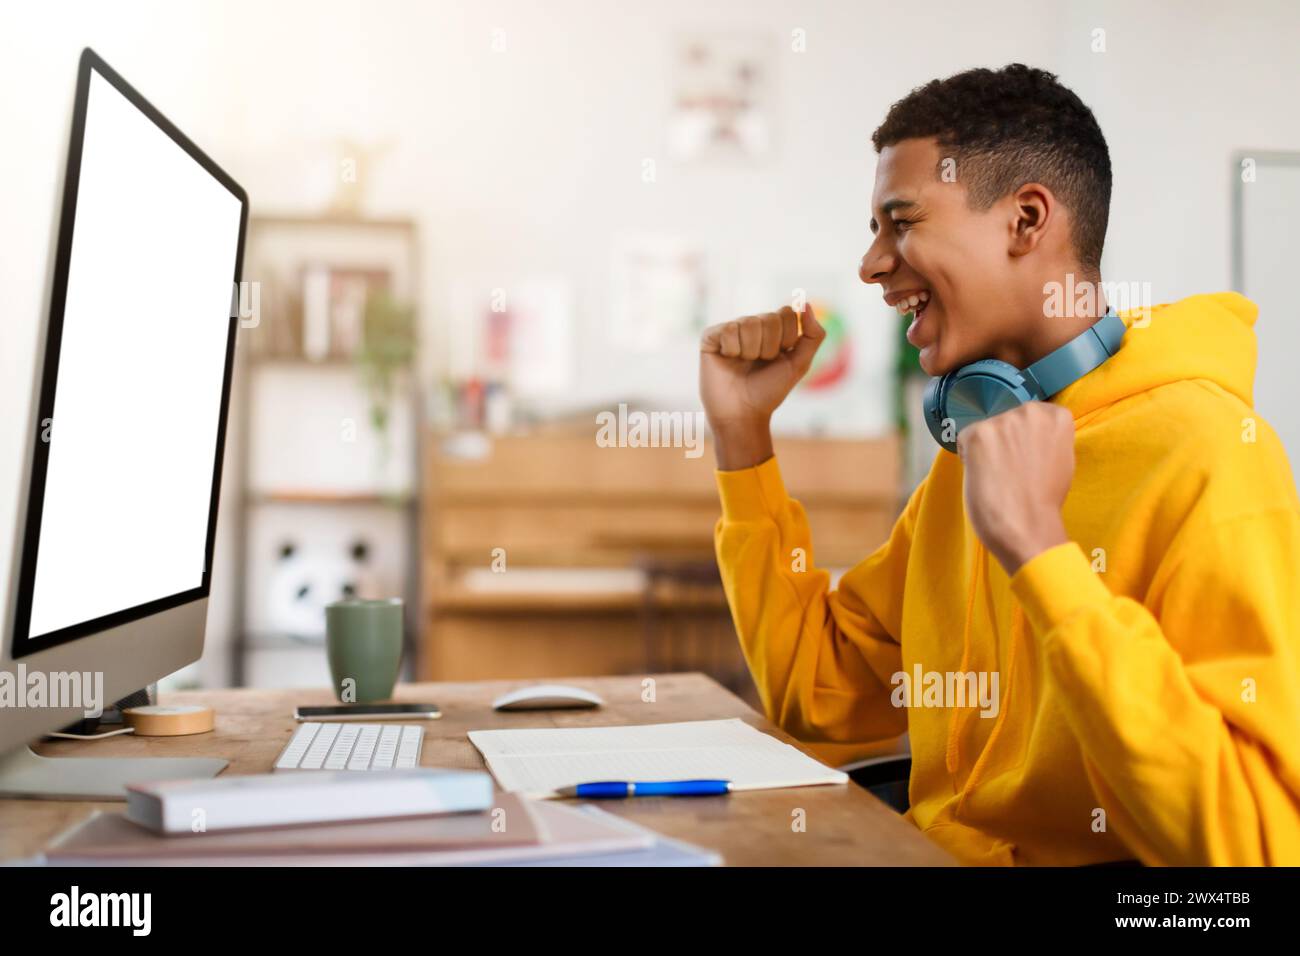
<point>304,582</point>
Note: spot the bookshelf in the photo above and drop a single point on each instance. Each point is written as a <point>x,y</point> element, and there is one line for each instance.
<point>328,422</point>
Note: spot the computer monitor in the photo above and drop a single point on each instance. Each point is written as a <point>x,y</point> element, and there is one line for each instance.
<point>114,544</point>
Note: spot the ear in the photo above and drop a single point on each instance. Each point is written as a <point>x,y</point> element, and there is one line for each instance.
<point>1033,209</point>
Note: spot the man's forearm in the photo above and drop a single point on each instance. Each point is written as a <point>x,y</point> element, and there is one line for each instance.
<point>742,446</point>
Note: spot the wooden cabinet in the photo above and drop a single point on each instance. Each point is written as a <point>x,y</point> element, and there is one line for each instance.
<point>549,556</point>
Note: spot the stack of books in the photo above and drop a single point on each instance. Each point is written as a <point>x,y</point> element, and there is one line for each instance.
<point>408,818</point>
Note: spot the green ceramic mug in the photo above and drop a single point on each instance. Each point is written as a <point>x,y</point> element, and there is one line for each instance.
<point>364,641</point>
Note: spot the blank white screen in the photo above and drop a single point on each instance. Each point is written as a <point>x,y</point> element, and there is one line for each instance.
<point>134,428</point>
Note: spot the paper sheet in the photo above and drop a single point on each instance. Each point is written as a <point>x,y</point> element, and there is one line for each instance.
<point>538,762</point>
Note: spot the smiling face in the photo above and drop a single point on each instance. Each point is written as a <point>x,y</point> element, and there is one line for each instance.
<point>959,270</point>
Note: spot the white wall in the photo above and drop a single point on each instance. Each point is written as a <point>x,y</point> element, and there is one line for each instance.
<point>529,162</point>
<point>1181,86</point>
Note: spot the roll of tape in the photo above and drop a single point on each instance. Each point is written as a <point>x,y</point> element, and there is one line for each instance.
<point>163,720</point>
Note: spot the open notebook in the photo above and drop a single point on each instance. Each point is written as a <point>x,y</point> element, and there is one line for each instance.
<point>538,762</point>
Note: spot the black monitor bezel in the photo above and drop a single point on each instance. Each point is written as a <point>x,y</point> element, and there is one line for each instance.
<point>23,644</point>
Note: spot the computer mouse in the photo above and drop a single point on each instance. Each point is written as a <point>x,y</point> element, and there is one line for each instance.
<point>546,697</point>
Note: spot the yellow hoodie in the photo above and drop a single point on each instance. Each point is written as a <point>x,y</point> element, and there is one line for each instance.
<point>1149,671</point>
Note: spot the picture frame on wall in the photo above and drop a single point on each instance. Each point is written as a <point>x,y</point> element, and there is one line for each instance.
<point>722,105</point>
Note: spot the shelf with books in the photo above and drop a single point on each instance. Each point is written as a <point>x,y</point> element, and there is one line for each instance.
<point>328,422</point>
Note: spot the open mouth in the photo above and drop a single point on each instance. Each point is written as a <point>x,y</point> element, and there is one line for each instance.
<point>913,302</point>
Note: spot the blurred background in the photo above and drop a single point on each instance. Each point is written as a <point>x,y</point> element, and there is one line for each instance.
<point>478,226</point>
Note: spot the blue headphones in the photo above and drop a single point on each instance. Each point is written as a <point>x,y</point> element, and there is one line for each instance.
<point>983,389</point>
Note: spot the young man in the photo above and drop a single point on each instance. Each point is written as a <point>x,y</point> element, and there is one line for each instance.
<point>1124,557</point>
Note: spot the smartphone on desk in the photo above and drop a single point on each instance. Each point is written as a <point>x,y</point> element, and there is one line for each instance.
<point>368,712</point>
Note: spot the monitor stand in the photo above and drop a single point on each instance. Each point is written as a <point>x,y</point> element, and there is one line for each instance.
<point>24,773</point>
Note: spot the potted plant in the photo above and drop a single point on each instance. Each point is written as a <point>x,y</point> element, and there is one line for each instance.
<point>387,349</point>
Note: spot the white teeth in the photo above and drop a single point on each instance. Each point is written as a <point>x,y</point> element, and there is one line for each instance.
<point>911,302</point>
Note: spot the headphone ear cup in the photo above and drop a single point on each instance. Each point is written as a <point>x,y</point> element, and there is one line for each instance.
<point>935,413</point>
<point>971,394</point>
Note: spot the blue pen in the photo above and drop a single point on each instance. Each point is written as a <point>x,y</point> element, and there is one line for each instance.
<point>612,789</point>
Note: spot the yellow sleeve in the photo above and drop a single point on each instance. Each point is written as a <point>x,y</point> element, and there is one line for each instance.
<point>822,659</point>
<point>1187,707</point>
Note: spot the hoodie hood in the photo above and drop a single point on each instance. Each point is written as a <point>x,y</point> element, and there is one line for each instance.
<point>1206,337</point>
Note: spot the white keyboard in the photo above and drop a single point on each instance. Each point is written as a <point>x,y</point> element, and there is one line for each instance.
<point>352,746</point>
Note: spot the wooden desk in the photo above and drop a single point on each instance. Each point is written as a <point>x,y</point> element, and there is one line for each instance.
<point>845,825</point>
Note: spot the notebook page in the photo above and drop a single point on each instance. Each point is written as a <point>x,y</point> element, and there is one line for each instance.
<point>539,761</point>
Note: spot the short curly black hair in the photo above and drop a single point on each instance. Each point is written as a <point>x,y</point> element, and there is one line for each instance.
<point>1004,128</point>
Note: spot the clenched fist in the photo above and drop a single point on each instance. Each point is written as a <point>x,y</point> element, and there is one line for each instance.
<point>1018,470</point>
<point>747,368</point>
